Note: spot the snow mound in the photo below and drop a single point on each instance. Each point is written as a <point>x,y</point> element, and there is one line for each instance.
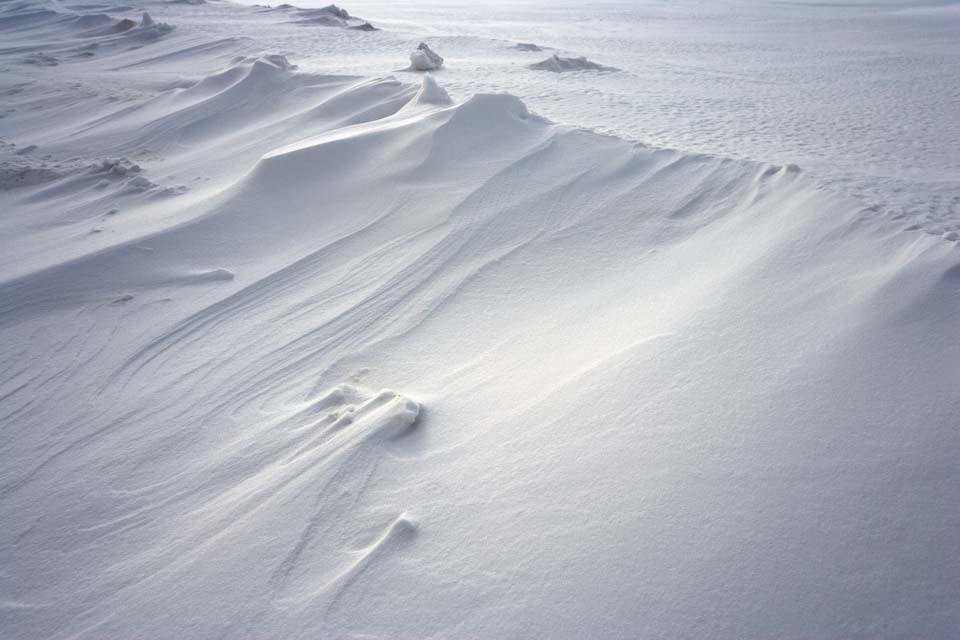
<point>331,10</point>
<point>120,166</point>
<point>328,16</point>
<point>560,64</point>
<point>430,94</point>
<point>49,36</point>
<point>425,59</point>
<point>527,46</point>
<point>104,26</point>
<point>274,60</point>
<point>148,29</point>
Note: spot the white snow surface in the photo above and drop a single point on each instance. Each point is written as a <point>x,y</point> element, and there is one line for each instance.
<point>297,350</point>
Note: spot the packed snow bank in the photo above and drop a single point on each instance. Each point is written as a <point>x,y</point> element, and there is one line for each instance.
<point>424,58</point>
<point>391,361</point>
<point>559,64</point>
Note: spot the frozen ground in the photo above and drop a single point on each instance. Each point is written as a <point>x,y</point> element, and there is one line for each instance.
<point>296,344</point>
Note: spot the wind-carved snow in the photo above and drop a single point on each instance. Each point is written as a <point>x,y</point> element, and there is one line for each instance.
<point>424,58</point>
<point>328,16</point>
<point>430,94</point>
<point>559,64</point>
<point>392,358</point>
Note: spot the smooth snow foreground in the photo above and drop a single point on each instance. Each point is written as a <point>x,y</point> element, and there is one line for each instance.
<point>304,356</point>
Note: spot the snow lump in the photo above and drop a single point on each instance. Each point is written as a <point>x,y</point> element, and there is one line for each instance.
<point>560,64</point>
<point>425,59</point>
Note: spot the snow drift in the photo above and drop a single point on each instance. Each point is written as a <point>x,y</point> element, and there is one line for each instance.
<point>559,64</point>
<point>395,366</point>
<point>328,16</point>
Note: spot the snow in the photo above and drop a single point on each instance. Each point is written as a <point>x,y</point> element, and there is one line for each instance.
<point>328,16</point>
<point>424,58</point>
<point>559,64</point>
<point>527,46</point>
<point>430,94</point>
<point>291,350</point>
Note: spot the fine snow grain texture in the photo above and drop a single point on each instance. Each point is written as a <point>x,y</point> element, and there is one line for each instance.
<point>296,355</point>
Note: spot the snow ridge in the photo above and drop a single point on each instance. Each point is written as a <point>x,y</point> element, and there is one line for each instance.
<point>386,362</point>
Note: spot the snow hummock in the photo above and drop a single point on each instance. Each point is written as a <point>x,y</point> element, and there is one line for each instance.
<point>559,64</point>
<point>424,58</point>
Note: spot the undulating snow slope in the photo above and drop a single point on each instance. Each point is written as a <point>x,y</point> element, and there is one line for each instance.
<point>306,356</point>
<point>862,94</point>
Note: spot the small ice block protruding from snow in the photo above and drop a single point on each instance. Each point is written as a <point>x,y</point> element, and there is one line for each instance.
<point>425,59</point>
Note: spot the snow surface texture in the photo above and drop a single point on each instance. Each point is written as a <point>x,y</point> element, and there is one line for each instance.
<point>301,355</point>
<point>424,58</point>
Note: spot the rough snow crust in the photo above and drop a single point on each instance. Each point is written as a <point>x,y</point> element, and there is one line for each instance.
<point>287,354</point>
